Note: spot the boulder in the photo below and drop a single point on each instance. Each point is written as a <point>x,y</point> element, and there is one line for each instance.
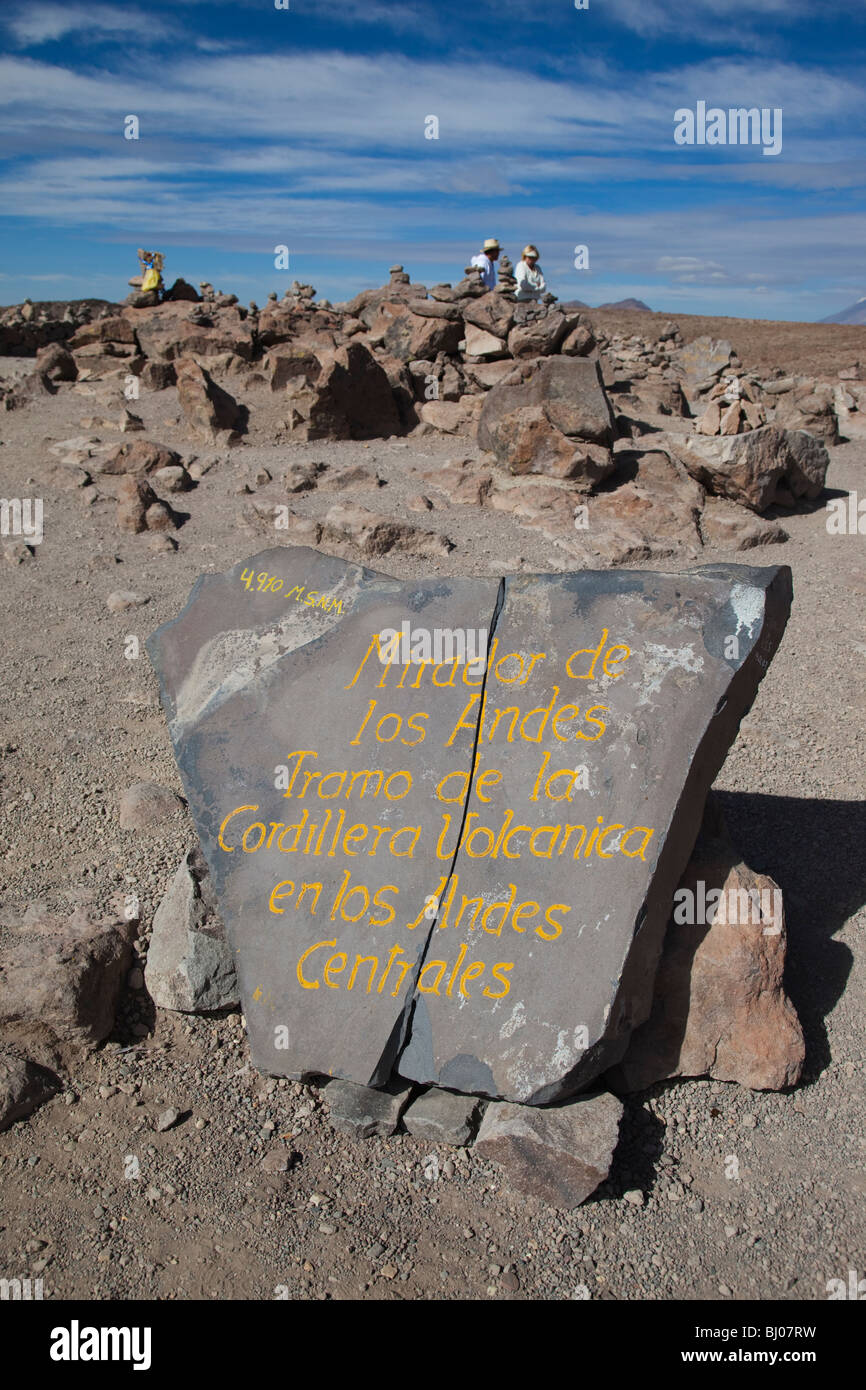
<point>719,1007</point>
<point>480,343</point>
<point>190,965</point>
<point>60,986</point>
<point>210,412</point>
<point>146,805</point>
<point>353,388</point>
<point>158,376</point>
<point>135,497</point>
<point>138,459</point>
<point>407,336</point>
<point>172,331</point>
<point>375,534</point>
<point>759,469</point>
<point>109,330</point>
<point>726,526</point>
<point>703,358</point>
<point>654,512</point>
<point>491,312</point>
<point>538,337</point>
<point>23,1087</point>
<point>579,342</point>
<point>559,1155</point>
<point>444,1117</point>
<point>181,290</point>
<point>812,408</point>
<point>452,417</point>
<point>548,421</point>
<point>56,363</point>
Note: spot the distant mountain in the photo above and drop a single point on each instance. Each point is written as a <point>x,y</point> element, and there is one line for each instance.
<point>856,313</point>
<point>572,304</point>
<point>627,304</point>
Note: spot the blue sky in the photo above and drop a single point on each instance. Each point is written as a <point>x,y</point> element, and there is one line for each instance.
<point>305,127</point>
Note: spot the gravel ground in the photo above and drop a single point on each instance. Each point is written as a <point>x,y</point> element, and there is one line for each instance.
<point>100,1204</point>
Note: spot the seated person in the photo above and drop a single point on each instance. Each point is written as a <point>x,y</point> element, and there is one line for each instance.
<point>485,260</point>
<point>530,281</point>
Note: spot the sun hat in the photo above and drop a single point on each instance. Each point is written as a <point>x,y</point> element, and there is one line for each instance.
<point>530,250</point>
<point>491,244</point>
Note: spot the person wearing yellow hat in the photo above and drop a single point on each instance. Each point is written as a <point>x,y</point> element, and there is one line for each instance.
<point>485,260</point>
<point>530,281</point>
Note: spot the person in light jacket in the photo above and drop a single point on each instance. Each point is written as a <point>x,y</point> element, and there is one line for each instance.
<point>486,262</point>
<point>530,281</point>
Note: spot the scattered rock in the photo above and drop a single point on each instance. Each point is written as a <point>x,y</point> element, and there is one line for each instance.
<point>558,1155</point>
<point>123,599</point>
<point>362,1111</point>
<point>145,805</point>
<point>444,1117</point>
<point>190,964</point>
<point>375,534</point>
<point>23,1087</point>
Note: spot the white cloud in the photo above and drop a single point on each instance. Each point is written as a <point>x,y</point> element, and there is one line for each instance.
<point>31,25</point>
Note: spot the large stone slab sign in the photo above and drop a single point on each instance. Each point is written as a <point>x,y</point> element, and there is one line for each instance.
<point>445,818</point>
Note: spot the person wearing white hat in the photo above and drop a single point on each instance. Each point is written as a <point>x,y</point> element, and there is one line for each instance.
<point>530,281</point>
<point>485,260</point>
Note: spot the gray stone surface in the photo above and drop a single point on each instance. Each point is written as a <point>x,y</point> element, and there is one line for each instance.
<point>704,357</point>
<point>559,1155</point>
<point>444,1117</point>
<point>563,879</point>
<point>190,966</point>
<point>362,1111</point>
<point>508,951</point>
<point>252,680</point>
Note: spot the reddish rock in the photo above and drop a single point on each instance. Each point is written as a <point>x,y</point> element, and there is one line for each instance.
<point>449,416</point>
<point>546,422</point>
<point>726,526</point>
<point>167,333</point>
<point>579,342</point>
<point>208,409</point>
<point>23,1087</point>
<point>375,534</point>
<point>538,337</point>
<point>158,376</point>
<point>56,363</point>
<point>491,312</point>
<point>139,458</point>
<point>719,1007</point>
<point>59,987</point>
<point>559,1154</point>
<point>110,330</point>
<point>407,336</point>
